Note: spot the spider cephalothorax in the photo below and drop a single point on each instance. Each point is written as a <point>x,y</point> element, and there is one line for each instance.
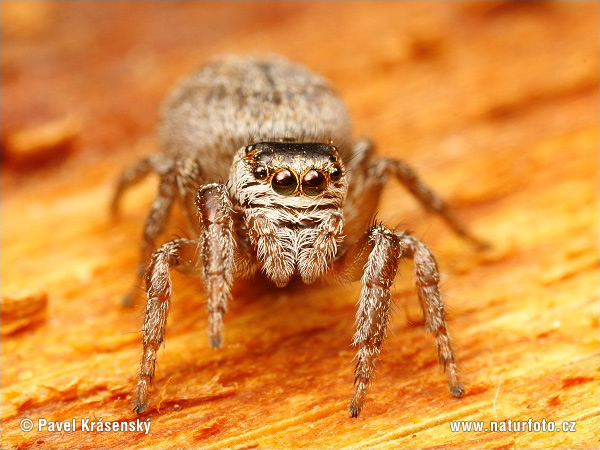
<point>289,204</point>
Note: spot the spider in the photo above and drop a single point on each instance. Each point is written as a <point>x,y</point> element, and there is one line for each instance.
<point>258,152</point>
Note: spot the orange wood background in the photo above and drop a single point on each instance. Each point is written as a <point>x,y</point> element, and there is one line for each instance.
<point>494,103</point>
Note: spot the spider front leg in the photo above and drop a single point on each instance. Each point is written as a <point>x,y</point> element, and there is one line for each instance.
<point>372,317</point>
<point>217,246</point>
<point>386,249</point>
<point>158,286</point>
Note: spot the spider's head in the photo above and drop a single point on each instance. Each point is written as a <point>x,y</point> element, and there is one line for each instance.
<point>301,169</point>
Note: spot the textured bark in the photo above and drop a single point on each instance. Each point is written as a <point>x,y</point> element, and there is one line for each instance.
<point>495,105</point>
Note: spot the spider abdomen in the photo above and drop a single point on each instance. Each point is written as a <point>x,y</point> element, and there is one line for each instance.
<point>232,101</point>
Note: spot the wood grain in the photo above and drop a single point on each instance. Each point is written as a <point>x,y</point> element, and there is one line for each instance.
<point>494,103</point>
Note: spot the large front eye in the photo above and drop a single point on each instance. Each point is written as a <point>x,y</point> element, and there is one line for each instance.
<point>284,182</point>
<point>313,183</point>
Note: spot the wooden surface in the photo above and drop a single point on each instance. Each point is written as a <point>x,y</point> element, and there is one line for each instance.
<point>495,104</point>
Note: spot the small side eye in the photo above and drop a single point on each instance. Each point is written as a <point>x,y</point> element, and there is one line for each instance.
<point>250,148</point>
<point>260,172</point>
<point>284,182</point>
<point>334,150</point>
<point>335,173</point>
<point>313,183</point>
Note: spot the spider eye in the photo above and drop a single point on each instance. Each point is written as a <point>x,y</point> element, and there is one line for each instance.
<point>284,182</point>
<point>335,173</point>
<point>313,183</point>
<point>260,172</point>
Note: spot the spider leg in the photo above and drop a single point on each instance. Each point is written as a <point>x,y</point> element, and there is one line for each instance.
<point>189,178</point>
<point>373,312</point>
<point>424,194</point>
<point>154,226</point>
<point>217,246</point>
<point>427,279</point>
<point>156,220</point>
<point>379,252</point>
<point>134,174</point>
<point>158,286</point>
<point>361,153</point>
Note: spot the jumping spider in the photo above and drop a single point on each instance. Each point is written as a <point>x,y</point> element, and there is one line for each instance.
<point>258,152</point>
